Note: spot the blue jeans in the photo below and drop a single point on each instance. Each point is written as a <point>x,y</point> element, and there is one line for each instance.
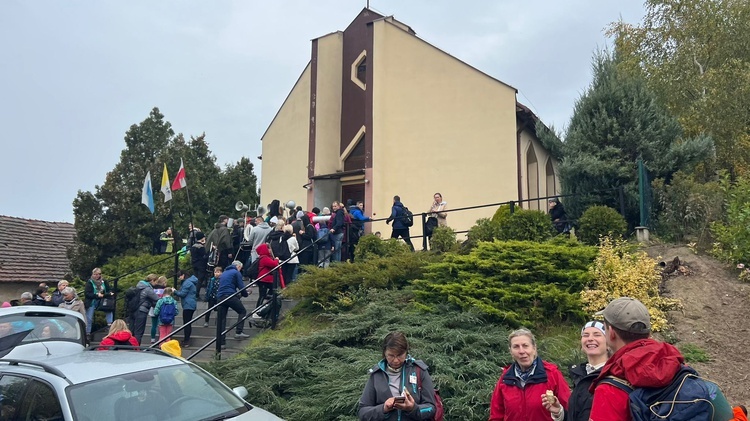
<point>336,240</point>
<point>90,316</point>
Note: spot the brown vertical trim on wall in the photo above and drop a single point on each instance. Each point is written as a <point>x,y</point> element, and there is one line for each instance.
<point>370,41</point>
<point>519,162</point>
<point>313,103</point>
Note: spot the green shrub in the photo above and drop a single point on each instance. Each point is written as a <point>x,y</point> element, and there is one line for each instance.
<point>502,213</point>
<point>732,234</point>
<point>370,246</point>
<point>694,353</point>
<point>599,221</point>
<point>443,240</point>
<point>686,209</point>
<point>340,287</point>
<point>526,225</point>
<point>484,230</point>
<point>320,375</point>
<point>514,282</point>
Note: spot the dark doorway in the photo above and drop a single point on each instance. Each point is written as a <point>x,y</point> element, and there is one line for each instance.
<point>355,192</point>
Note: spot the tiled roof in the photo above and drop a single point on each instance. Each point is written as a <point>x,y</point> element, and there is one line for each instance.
<point>32,250</point>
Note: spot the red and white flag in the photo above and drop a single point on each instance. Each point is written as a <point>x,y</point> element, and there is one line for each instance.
<point>179,181</point>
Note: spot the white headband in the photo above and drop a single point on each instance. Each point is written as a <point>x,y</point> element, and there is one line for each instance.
<point>597,324</point>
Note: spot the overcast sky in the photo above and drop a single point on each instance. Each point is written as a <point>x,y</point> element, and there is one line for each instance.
<point>75,75</point>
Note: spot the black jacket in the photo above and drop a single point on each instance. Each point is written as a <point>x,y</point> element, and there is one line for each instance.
<point>581,399</point>
<point>279,246</point>
<point>198,257</point>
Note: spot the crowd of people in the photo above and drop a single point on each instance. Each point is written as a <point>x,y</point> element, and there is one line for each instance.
<point>622,359</point>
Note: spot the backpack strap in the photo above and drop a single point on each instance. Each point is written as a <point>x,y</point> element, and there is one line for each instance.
<point>619,383</point>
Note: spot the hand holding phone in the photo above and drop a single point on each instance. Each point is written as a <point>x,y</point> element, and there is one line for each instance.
<point>399,399</point>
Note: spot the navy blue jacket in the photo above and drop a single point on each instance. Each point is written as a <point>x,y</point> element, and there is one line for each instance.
<point>397,215</point>
<point>338,221</point>
<point>229,282</point>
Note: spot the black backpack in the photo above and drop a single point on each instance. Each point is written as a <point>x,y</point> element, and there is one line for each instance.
<point>253,269</point>
<point>132,300</point>
<point>408,218</point>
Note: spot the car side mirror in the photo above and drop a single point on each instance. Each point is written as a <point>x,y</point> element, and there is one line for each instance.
<point>240,391</point>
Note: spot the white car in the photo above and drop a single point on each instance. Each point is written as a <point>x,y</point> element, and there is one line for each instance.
<point>67,382</point>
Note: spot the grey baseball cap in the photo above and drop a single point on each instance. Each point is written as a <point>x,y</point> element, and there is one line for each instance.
<point>627,314</point>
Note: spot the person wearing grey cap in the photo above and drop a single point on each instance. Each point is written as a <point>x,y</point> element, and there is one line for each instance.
<point>638,359</point>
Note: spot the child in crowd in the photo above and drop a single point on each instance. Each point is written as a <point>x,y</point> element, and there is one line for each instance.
<point>166,310</point>
<point>213,286</point>
<point>161,283</point>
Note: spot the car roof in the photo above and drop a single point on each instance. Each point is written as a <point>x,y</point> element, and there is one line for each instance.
<point>40,309</point>
<point>90,365</point>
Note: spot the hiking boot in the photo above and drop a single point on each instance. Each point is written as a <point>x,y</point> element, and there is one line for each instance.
<point>241,336</point>
<point>205,324</point>
<point>185,344</point>
<point>153,340</point>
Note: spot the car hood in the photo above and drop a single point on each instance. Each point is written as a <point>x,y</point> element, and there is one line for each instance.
<point>257,414</point>
<point>40,349</point>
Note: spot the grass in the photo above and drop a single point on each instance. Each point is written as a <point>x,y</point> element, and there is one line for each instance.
<point>693,353</point>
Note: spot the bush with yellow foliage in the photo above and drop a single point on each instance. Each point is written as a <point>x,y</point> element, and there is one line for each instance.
<point>620,272</point>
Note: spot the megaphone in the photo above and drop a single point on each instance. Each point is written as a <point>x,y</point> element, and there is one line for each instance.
<point>291,205</point>
<point>240,206</point>
<point>260,211</point>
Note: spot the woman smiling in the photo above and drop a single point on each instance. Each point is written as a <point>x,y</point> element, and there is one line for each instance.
<point>594,345</point>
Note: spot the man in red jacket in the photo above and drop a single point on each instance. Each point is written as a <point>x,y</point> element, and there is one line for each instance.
<point>638,359</point>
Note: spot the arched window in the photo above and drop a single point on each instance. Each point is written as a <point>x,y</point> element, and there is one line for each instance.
<point>532,177</point>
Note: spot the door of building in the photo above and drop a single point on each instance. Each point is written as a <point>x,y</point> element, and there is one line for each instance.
<point>355,192</point>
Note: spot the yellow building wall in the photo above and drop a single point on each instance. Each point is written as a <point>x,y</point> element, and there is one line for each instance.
<point>439,125</point>
<point>328,104</point>
<point>285,146</point>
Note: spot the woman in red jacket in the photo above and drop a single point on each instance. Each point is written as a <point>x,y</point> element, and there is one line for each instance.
<point>519,393</point>
<point>265,266</point>
<point>119,334</point>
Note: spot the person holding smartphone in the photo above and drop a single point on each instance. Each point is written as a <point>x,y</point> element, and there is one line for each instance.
<point>398,383</point>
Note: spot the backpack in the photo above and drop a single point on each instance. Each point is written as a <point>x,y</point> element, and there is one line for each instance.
<point>687,397</point>
<point>408,218</point>
<point>132,300</point>
<point>213,256</point>
<point>253,269</point>
<point>439,409</point>
<point>212,288</point>
<point>167,313</point>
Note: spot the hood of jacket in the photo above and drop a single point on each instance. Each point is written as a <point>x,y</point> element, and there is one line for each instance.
<point>274,235</point>
<point>263,250</point>
<point>143,285</point>
<point>644,363</point>
<point>398,204</point>
<point>122,335</point>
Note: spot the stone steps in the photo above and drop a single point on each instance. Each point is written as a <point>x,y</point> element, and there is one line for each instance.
<point>202,335</point>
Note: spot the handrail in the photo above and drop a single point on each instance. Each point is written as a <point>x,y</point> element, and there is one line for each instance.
<point>236,293</point>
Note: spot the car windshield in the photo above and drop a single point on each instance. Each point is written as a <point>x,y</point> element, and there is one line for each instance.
<point>42,326</point>
<point>182,392</point>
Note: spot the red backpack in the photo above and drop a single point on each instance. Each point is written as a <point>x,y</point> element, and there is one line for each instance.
<point>439,410</point>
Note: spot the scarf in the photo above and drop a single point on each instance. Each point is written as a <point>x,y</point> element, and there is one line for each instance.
<point>524,374</point>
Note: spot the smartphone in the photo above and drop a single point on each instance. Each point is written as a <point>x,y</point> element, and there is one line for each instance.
<point>399,399</point>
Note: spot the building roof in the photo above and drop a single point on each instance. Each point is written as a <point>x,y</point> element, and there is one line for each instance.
<point>33,250</point>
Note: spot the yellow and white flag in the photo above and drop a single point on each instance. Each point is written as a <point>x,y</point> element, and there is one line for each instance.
<point>165,186</point>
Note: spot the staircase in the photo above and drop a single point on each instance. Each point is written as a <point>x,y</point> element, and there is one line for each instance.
<point>202,335</point>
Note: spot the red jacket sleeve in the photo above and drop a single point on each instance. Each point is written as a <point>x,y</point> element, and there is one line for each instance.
<point>610,404</point>
<point>497,405</point>
<point>105,342</point>
<point>133,341</point>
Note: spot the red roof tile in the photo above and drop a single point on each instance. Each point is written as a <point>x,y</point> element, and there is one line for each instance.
<point>33,250</point>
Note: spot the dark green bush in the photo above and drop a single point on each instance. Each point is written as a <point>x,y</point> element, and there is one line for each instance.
<point>502,213</point>
<point>686,208</point>
<point>526,225</point>
<point>514,282</point>
<point>484,230</point>
<point>443,240</point>
<point>598,221</point>
<point>371,246</point>
<point>733,232</point>
<point>338,287</point>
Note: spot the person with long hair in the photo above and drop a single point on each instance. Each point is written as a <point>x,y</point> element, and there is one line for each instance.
<point>119,334</point>
<point>398,385</point>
